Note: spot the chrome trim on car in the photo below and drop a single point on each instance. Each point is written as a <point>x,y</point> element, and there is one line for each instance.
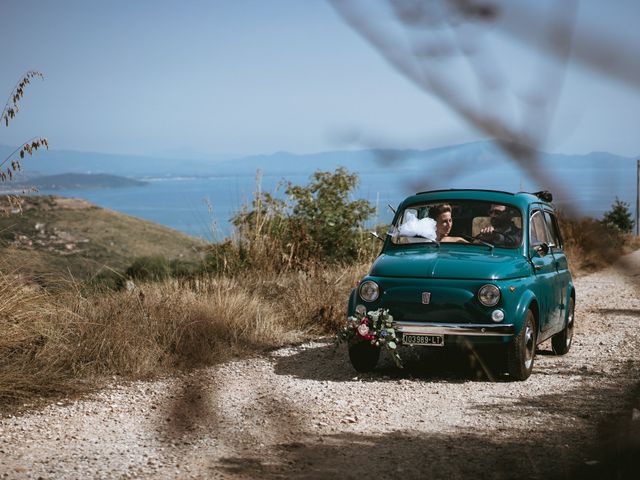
<point>464,329</point>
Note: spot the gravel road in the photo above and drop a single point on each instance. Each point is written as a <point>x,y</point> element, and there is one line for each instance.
<point>302,412</point>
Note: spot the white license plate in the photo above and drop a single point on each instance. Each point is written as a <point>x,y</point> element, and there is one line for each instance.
<point>427,340</point>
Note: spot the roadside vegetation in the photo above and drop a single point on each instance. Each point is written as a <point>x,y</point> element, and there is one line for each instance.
<point>55,343</point>
<point>595,244</point>
<point>282,277</point>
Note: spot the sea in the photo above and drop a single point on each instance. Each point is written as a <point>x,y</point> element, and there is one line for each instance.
<point>203,206</point>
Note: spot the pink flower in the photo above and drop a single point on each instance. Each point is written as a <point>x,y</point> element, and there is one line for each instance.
<point>364,331</point>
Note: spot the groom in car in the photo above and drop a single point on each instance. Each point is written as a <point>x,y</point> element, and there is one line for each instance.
<point>502,229</point>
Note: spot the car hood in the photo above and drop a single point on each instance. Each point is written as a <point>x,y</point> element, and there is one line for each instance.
<point>440,263</point>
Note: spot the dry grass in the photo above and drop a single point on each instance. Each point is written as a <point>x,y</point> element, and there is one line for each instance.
<point>23,314</point>
<point>591,246</point>
<point>314,301</point>
<point>66,342</point>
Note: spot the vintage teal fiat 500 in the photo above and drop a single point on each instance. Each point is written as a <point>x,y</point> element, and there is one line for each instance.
<point>472,267</point>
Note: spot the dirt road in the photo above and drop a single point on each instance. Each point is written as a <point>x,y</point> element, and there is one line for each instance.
<point>303,413</point>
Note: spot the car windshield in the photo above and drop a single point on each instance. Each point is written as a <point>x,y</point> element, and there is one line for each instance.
<point>459,221</point>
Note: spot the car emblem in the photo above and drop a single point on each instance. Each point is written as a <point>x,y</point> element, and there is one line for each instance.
<point>426,298</point>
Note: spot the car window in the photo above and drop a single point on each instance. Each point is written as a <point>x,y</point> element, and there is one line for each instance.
<point>458,221</point>
<point>537,230</point>
<point>552,226</point>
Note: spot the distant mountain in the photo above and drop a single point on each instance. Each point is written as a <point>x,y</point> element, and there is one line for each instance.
<point>433,166</point>
<point>586,183</point>
<point>436,165</point>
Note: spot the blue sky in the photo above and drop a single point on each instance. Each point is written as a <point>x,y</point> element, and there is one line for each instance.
<point>242,77</point>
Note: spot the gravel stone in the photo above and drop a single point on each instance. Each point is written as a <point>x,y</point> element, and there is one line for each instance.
<point>303,412</point>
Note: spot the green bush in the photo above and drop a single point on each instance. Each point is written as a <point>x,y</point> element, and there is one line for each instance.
<point>154,267</point>
<point>323,210</point>
<point>315,224</point>
<point>185,268</point>
<point>226,257</point>
<point>619,217</point>
<point>107,280</point>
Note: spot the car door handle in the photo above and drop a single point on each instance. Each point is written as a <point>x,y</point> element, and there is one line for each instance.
<point>537,267</point>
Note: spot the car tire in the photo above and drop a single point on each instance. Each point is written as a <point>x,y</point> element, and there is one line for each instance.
<point>561,343</point>
<point>522,350</point>
<point>364,356</point>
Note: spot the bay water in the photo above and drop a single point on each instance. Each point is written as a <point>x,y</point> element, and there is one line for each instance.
<point>203,206</point>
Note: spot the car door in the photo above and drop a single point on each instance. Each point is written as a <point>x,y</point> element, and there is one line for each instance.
<point>561,282</point>
<point>544,268</point>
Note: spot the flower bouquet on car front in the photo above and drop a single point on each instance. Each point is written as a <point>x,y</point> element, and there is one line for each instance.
<point>377,327</point>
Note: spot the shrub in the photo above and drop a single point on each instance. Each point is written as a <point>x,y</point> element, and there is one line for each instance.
<point>324,211</point>
<point>619,217</point>
<point>592,244</point>
<point>107,279</point>
<point>184,268</point>
<point>316,224</point>
<point>226,257</point>
<point>154,267</point>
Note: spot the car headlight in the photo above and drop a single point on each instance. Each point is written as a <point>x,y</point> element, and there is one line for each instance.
<point>369,291</point>
<point>489,295</point>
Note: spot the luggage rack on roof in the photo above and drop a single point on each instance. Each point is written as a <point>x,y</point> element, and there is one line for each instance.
<point>465,190</point>
<point>544,195</point>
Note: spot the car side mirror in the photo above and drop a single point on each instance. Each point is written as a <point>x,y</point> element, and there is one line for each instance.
<point>540,249</point>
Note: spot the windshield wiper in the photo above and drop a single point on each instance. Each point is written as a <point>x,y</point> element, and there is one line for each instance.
<point>428,240</point>
<point>425,240</point>
<point>476,239</point>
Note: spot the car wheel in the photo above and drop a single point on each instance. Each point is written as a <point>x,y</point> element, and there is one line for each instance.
<point>522,350</point>
<point>363,356</point>
<point>561,343</point>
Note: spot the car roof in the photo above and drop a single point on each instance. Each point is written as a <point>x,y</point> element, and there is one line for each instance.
<point>520,199</point>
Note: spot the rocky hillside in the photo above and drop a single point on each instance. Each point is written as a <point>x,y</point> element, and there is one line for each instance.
<point>49,235</point>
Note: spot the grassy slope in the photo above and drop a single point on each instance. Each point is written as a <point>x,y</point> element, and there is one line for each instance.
<point>114,239</point>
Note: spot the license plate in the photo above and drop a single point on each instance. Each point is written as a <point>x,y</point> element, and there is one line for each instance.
<point>429,340</point>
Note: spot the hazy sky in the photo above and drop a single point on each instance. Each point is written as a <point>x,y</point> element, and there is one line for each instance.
<point>175,78</point>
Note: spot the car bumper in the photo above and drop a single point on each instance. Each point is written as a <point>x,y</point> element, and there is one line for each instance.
<point>458,329</point>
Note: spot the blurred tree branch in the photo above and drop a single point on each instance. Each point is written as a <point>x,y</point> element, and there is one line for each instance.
<point>10,110</point>
<point>430,41</point>
<point>439,45</point>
